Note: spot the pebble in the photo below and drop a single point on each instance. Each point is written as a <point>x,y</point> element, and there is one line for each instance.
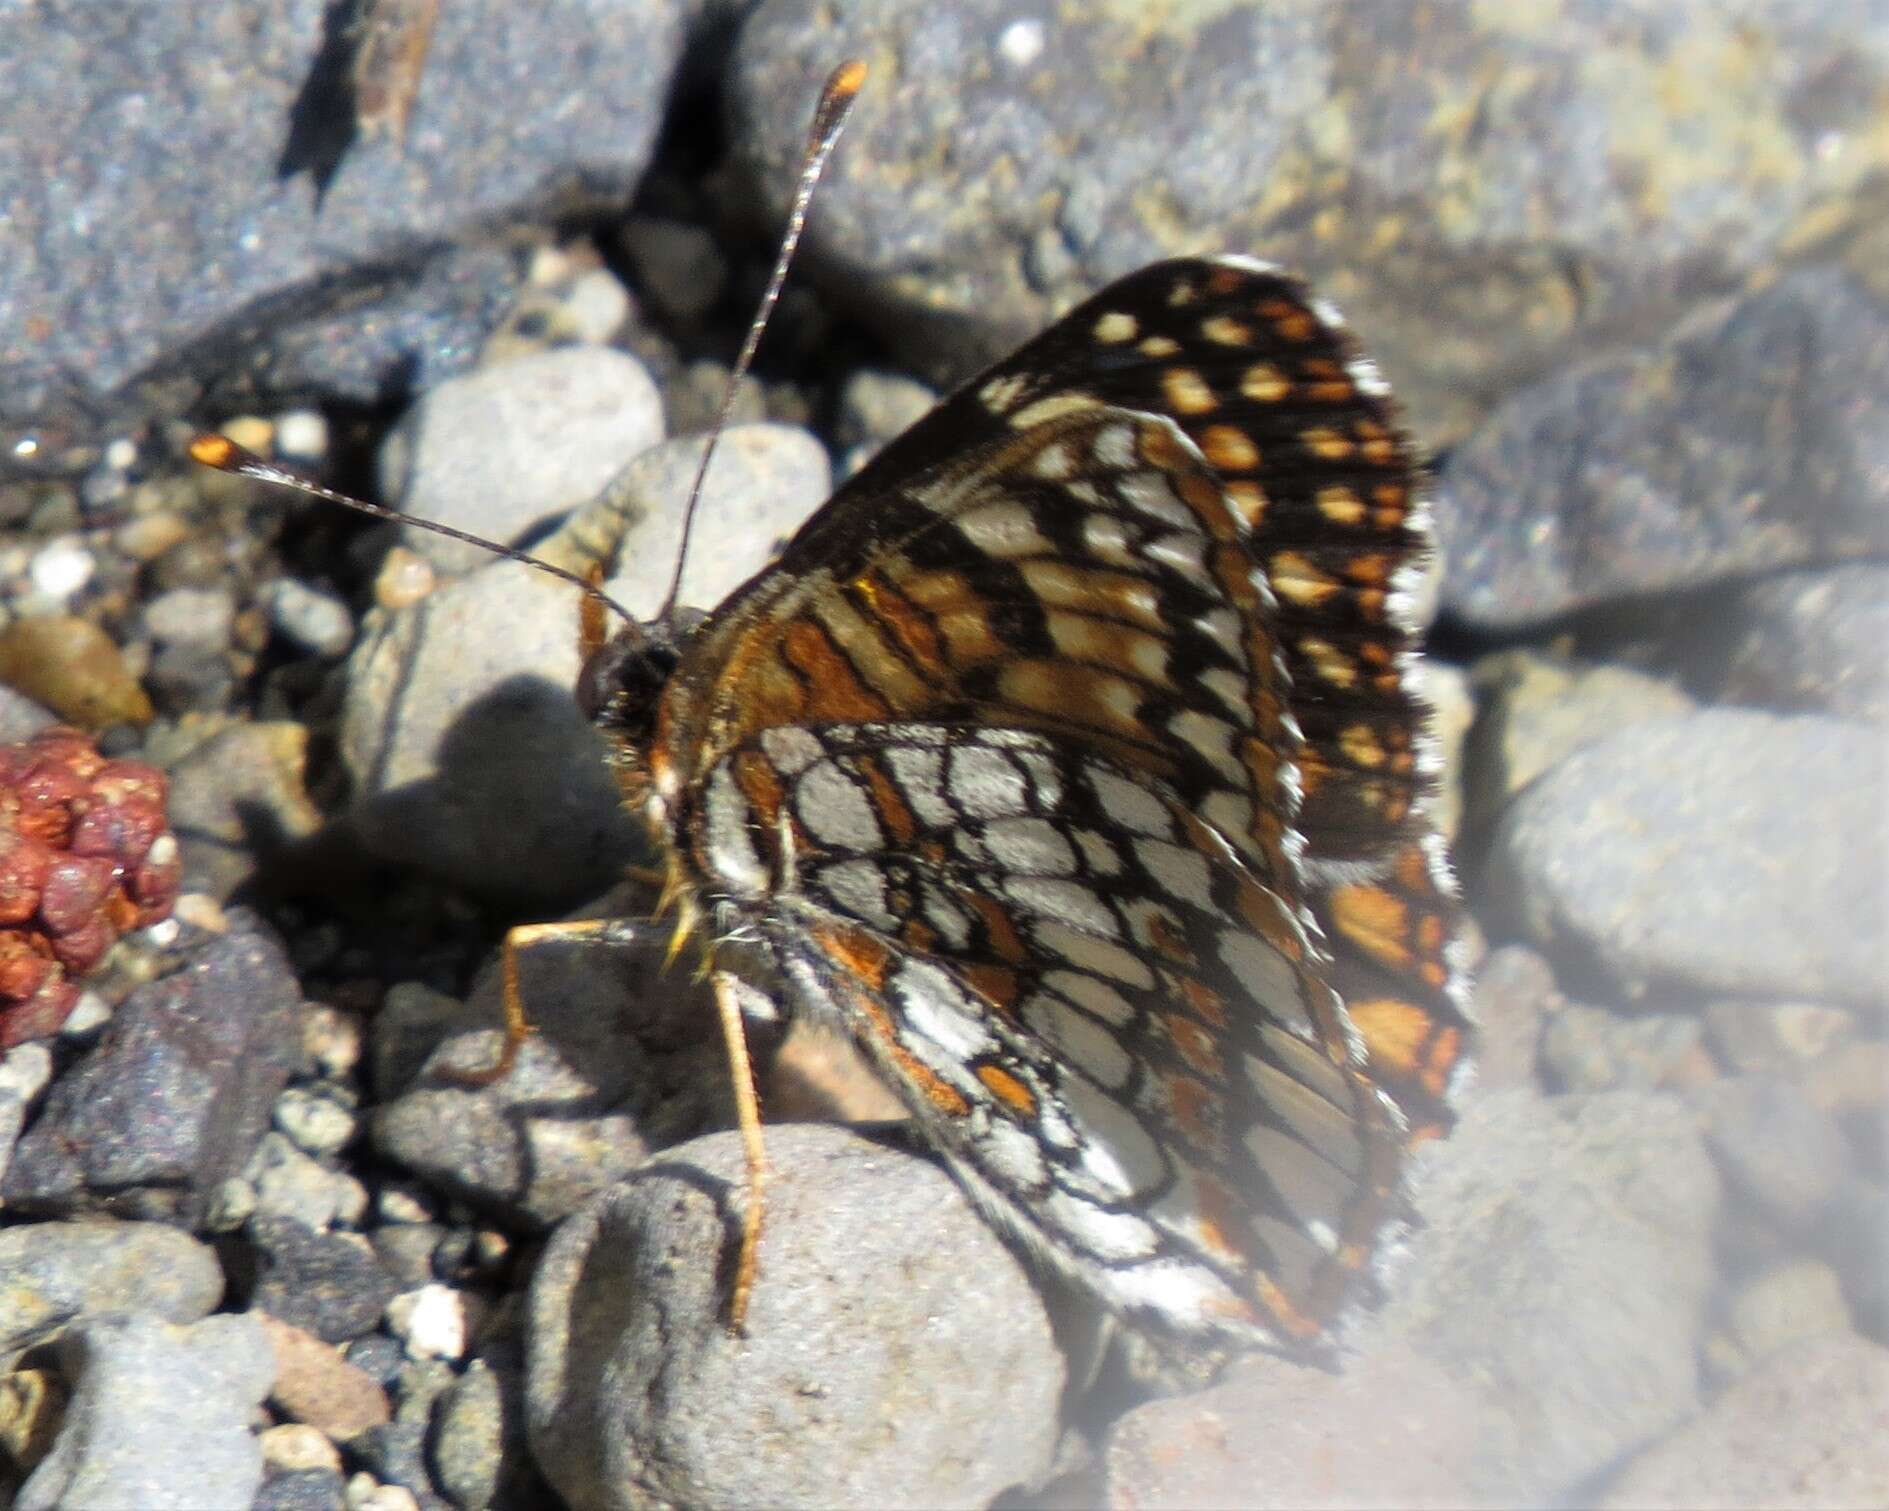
<point>680,268</point>
<point>294,1446</point>
<point>316,1385</point>
<point>72,667</point>
<point>1515,992</point>
<point>159,1418</point>
<point>301,436</point>
<point>197,619</point>
<point>318,622</point>
<point>304,1490</point>
<point>433,1322</point>
<point>317,1124</point>
<point>1594,1049</point>
<point>174,1099</point>
<point>288,1182</point>
<point>1797,1299</point>
<point>1804,1431</point>
<point>1389,1429</point>
<point>365,1493</point>
<point>405,577</point>
<point>149,536</point>
<point>1768,1038</point>
<point>24,1071</point>
<point>921,1371</point>
<point>477,1436</point>
<point>501,449</point>
<point>1746,878</point>
<point>1534,710</point>
<point>61,568</point>
<point>329,1284</point>
<point>332,1038</point>
<point>1776,1148</point>
<point>238,798</point>
<point>876,406</point>
<point>469,756</point>
<point>764,481</point>
<point>56,1275</point>
<point>406,1250</point>
<point>1561,1277</point>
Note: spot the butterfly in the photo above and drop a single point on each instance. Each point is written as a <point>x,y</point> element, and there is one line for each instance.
<point>1071,760</point>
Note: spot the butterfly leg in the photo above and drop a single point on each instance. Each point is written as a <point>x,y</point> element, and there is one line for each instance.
<point>748,1115</point>
<point>517,1025</point>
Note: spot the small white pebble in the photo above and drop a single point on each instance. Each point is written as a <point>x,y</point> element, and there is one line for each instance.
<point>24,1071</point>
<point>397,1204</point>
<point>201,911</point>
<point>89,1014</point>
<point>121,455</point>
<point>332,1038</point>
<point>1021,43</point>
<point>301,435</point>
<point>312,1122</point>
<point>61,567</point>
<point>316,621</point>
<point>294,1446</point>
<point>432,1322</point>
<point>163,934</point>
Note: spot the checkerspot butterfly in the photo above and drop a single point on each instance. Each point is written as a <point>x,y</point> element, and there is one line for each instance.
<point>1070,758</point>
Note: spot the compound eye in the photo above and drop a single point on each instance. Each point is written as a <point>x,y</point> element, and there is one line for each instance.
<point>601,678</point>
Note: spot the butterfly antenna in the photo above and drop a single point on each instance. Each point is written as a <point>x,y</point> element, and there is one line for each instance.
<point>829,119</point>
<point>220,452</point>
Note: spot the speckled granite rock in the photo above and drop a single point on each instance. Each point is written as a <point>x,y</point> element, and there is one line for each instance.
<point>1521,182</point>
<point>164,226</point>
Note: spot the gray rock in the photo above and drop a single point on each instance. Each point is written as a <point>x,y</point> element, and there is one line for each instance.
<point>1389,1429</point>
<point>1854,1237</point>
<point>679,267</point>
<point>199,619</point>
<point>328,1284</point>
<point>1596,1049</point>
<point>875,406</point>
<point>1535,710</point>
<point>1803,640</point>
<point>1773,1038</point>
<point>765,480</point>
<point>159,1419</point>
<point>502,449</point>
<point>1745,877</point>
<point>302,1490</point>
<point>1749,439</point>
<point>1515,990</point>
<point>895,1354</point>
<point>20,717</point>
<point>405,1251</point>
<point>238,799</point>
<point>318,622</point>
<point>316,1123</point>
<point>1802,1431</point>
<point>565,1123</point>
<point>1798,1299</point>
<point>1561,1277</point>
<point>57,1274</point>
<point>288,1183</point>
<point>211,254</point>
<point>468,755</point>
<point>174,1098</point>
<point>1777,1148</point>
<point>1470,261</point>
<point>478,1436</point>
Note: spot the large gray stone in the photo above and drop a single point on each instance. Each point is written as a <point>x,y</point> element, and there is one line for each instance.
<point>1728,851</point>
<point>159,1419</point>
<point>896,1354</point>
<point>186,212</point>
<point>56,1274</point>
<point>1520,182</point>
